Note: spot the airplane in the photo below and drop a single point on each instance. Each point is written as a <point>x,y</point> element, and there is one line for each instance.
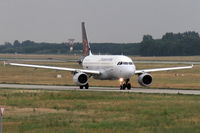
<point>105,67</point>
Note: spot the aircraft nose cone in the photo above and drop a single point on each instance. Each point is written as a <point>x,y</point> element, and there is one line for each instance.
<point>129,71</point>
<point>125,72</point>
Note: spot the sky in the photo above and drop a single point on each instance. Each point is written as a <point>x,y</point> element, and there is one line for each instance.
<point>118,21</point>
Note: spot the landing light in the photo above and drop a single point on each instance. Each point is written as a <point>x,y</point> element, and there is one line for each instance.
<point>121,80</point>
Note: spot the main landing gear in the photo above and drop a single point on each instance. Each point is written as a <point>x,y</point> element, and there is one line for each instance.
<point>125,84</point>
<point>84,86</point>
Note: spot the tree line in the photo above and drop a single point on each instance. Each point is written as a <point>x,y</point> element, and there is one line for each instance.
<point>180,44</point>
<point>171,44</point>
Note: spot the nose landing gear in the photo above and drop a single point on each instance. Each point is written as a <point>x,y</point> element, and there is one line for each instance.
<point>125,84</point>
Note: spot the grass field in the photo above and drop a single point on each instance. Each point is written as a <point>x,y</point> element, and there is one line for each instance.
<point>184,79</point>
<point>37,111</point>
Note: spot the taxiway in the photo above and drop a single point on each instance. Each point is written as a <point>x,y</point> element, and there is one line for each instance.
<point>106,89</point>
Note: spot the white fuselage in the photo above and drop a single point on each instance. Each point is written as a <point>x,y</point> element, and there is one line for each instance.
<point>111,66</point>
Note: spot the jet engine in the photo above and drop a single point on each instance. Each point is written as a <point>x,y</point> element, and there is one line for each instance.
<point>80,78</point>
<point>145,79</point>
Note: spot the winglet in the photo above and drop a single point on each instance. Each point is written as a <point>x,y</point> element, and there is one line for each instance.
<point>86,46</point>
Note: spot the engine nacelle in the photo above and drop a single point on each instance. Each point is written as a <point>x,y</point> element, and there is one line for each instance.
<point>145,79</point>
<point>80,78</point>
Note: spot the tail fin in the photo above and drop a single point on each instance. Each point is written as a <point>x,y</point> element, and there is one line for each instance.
<point>86,46</point>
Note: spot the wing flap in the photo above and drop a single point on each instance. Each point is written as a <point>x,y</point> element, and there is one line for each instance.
<point>162,69</point>
<point>57,68</point>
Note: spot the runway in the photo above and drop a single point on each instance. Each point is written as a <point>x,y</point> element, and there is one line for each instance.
<point>105,89</point>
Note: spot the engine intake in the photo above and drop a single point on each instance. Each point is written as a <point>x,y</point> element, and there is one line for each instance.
<point>80,78</point>
<point>145,79</point>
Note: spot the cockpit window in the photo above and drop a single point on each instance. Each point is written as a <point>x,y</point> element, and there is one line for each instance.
<point>124,63</point>
<point>119,63</point>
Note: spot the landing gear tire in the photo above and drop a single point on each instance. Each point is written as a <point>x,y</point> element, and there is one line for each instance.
<point>121,87</point>
<point>128,86</point>
<point>125,85</point>
<point>87,86</point>
<point>81,87</point>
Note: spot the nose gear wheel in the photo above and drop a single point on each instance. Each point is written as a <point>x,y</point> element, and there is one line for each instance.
<point>125,85</point>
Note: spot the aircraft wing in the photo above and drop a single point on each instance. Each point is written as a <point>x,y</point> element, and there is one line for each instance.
<point>57,68</point>
<point>41,60</point>
<point>162,69</point>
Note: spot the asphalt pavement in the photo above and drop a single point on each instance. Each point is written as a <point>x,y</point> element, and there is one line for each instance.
<point>105,89</point>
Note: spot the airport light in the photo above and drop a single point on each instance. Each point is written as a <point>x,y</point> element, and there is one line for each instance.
<point>1,119</point>
<point>71,44</point>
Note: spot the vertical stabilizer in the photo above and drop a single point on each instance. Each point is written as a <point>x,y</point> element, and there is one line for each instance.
<point>86,46</point>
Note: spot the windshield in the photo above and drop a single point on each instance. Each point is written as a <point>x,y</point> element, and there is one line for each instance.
<point>124,63</point>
